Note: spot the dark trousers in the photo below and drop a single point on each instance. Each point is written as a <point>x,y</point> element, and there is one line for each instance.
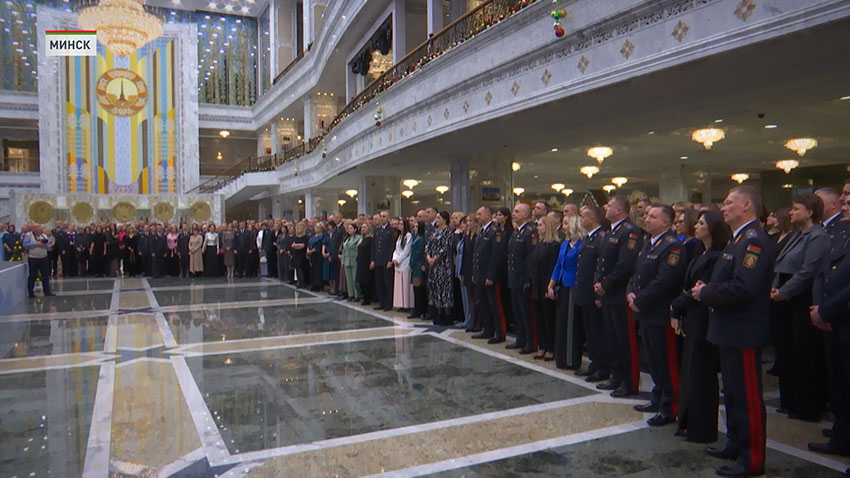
<point>524,329</point>
<point>569,332</point>
<point>660,344</point>
<point>498,321</point>
<point>838,366</point>
<point>69,262</point>
<point>82,261</point>
<point>366,292</point>
<point>420,300</point>
<point>147,264</point>
<point>157,266</point>
<point>39,266</point>
<point>483,314</point>
<point>54,261</point>
<point>620,330</point>
<point>242,264</point>
<point>800,360</point>
<point>745,413</point>
<point>597,343</point>
<point>384,285</point>
<point>545,318</point>
<point>184,264</point>
<point>698,392</point>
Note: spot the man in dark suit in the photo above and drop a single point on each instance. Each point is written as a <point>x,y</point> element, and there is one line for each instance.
<point>599,369</point>
<point>60,236</point>
<point>520,245</point>
<point>831,313</point>
<point>738,297</point>
<point>241,248</point>
<point>657,281</point>
<point>483,271</point>
<point>383,243</point>
<point>616,264</point>
<point>335,246</point>
<point>158,248</point>
<point>145,250</point>
<point>249,239</point>
<point>183,249</point>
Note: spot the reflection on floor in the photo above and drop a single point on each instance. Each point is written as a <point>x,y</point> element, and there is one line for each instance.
<point>208,377</point>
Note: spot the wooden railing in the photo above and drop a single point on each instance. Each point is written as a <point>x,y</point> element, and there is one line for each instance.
<point>454,34</point>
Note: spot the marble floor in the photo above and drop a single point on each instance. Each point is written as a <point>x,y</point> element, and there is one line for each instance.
<point>252,378</point>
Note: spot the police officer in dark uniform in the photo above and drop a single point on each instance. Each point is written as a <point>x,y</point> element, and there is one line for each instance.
<point>616,264</point>
<point>657,281</point>
<point>738,297</point>
<point>831,313</point>
<point>58,246</point>
<point>599,369</point>
<point>383,243</point>
<point>520,244</point>
<point>145,250</point>
<point>183,249</point>
<point>241,244</point>
<point>482,255</point>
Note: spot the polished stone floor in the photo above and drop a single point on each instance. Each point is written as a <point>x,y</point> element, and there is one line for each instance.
<point>251,378</point>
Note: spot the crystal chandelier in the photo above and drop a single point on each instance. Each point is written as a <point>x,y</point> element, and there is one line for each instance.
<point>518,191</point>
<point>740,177</point>
<point>608,188</point>
<point>588,171</point>
<point>619,181</point>
<point>787,165</point>
<point>558,187</point>
<point>708,136</point>
<point>122,25</point>
<point>801,145</point>
<point>600,153</point>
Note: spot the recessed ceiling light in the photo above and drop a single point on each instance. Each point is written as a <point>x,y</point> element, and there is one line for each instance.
<point>554,150</point>
<point>845,98</point>
<point>651,132</point>
<point>771,126</point>
<point>718,120</point>
<point>683,157</point>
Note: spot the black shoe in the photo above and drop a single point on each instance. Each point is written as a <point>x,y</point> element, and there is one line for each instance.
<point>622,392</point>
<point>782,411</point>
<point>724,453</point>
<point>49,294</point>
<point>514,346</point>
<point>366,303</point>
<point>737,469</point>
<point>647,407</point>
<point>377,308</point>
<point>596,376</point>
<point>609,385</point>
<point>482,336</point>
<point>496,340</point>
<point>827,432</point>
<point>585,373</point>
<point>828,449</point>
<point>659,420</point>
<point>526,351</point>
<point>414,316</point>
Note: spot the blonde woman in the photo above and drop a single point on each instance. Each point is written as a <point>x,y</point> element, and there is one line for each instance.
<point>567,352</point>
<point>541,261</point>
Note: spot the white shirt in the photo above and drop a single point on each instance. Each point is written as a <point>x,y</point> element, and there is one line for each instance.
<point>614,225</point>
<point>593,232</point>
<point>211,239</point>
<point>260,238</point>
<point>486,227</point>
<point>402,254</point>
<point>738,231</point>
<point>655,239</point>
<point>833,218</point>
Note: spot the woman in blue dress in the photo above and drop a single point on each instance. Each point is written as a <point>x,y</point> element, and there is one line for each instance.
<point>318,263</point>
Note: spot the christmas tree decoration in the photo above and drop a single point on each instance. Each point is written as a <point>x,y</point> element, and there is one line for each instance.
<point>558,15</point>
<point>324,149</point>
<point>379,115</point>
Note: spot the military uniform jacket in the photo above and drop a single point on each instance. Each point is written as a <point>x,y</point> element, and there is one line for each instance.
<point>520,245</point>
<point>159,244</point>
<point>183,243</point>
<point>659,271</point>
<point>738,295</point>
<point>617,261</point>
<point>483,267</point>
<point>382,245</point>
<point>832,293</point>
<point>588,257</point>
<point>145,243</point>
<point>241,241</point>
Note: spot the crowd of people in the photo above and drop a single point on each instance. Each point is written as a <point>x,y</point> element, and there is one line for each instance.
<point>706,287</point>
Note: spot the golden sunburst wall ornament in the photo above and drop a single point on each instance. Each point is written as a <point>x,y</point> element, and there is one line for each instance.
<point>41,212</point>
<point>200,211</point>
<point>82,212</point>
<point>122,92</point>
<point>123,211</point>
<point>163,211</point>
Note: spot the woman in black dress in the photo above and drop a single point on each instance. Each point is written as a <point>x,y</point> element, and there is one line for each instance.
<point>698,389</point>
<point>541,262</point>
<point>113,252</point>
<point>132,256</point>
<point>364,257</point>
<point>298,248</point>
<point>97,252</point>
<point>211,252</point>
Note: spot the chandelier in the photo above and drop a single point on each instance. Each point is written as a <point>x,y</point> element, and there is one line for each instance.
<point>608,188</point>
<point>708,136</point>
<point>558,187</point>
<point>410,183</point>
<point>518,191</point>
<point>407,193</point>
<point>619,181</point>
<point>801,145</point>
<point>122,25</point>
<point>787,165</point>
<point>599,152</point>
<point>567,191</point>
<point>740,177</point>
<point>588,171</point>
<point>351,193</point>
<point>441,189</point>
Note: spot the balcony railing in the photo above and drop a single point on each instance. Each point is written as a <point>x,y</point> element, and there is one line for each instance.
<point>489,13</point>
<point>291,64</point>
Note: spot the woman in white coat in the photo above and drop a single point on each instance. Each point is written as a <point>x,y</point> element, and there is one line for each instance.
<point>402,287</point>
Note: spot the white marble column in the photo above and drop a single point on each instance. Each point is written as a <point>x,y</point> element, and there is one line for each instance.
<point>460,184</point>
<point>435,16</point>
<point>672,186</point>
<point>362,191</point>
<point>309,210</point>
<point>308,118</point>
<point>399,30</point>
<point>307,22</point>
<point>272,66</point>
<point>274,137</point>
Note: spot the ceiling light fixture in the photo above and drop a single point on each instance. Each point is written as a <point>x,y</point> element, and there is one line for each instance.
<point>567,191</point>
<point>740,177</point>
<point>801,145</point>
<point>218,155</point>
<point>555,150</point>
<point>224,133</point>
<point>608,188</point>
<point>787,165</point>
<point>515,166</point>
<point>619,181</point>
<point>588,171</point>
<point>771,126</point>
<point>843,98</point>
<point>407,193</point>
<point>351,193</point>
<point>683,157</point>
<point>558,186</point>
<point>122,25</point>
<point>718,120</point>
<point>410,183</point>
<point>341,202</point>
<point>600,153</point>
<point>441,189</point>
<point>519,191</point>
<point>787,186</point>
<point>708,136</point>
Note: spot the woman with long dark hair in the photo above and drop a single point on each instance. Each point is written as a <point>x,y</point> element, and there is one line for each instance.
<point>211,242</point>
<point>698,389</point>
<point>438,254</point>
<point>97,252</point>
<point>113,252</point>
<point>417,271</point>
<point>402,288</point>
